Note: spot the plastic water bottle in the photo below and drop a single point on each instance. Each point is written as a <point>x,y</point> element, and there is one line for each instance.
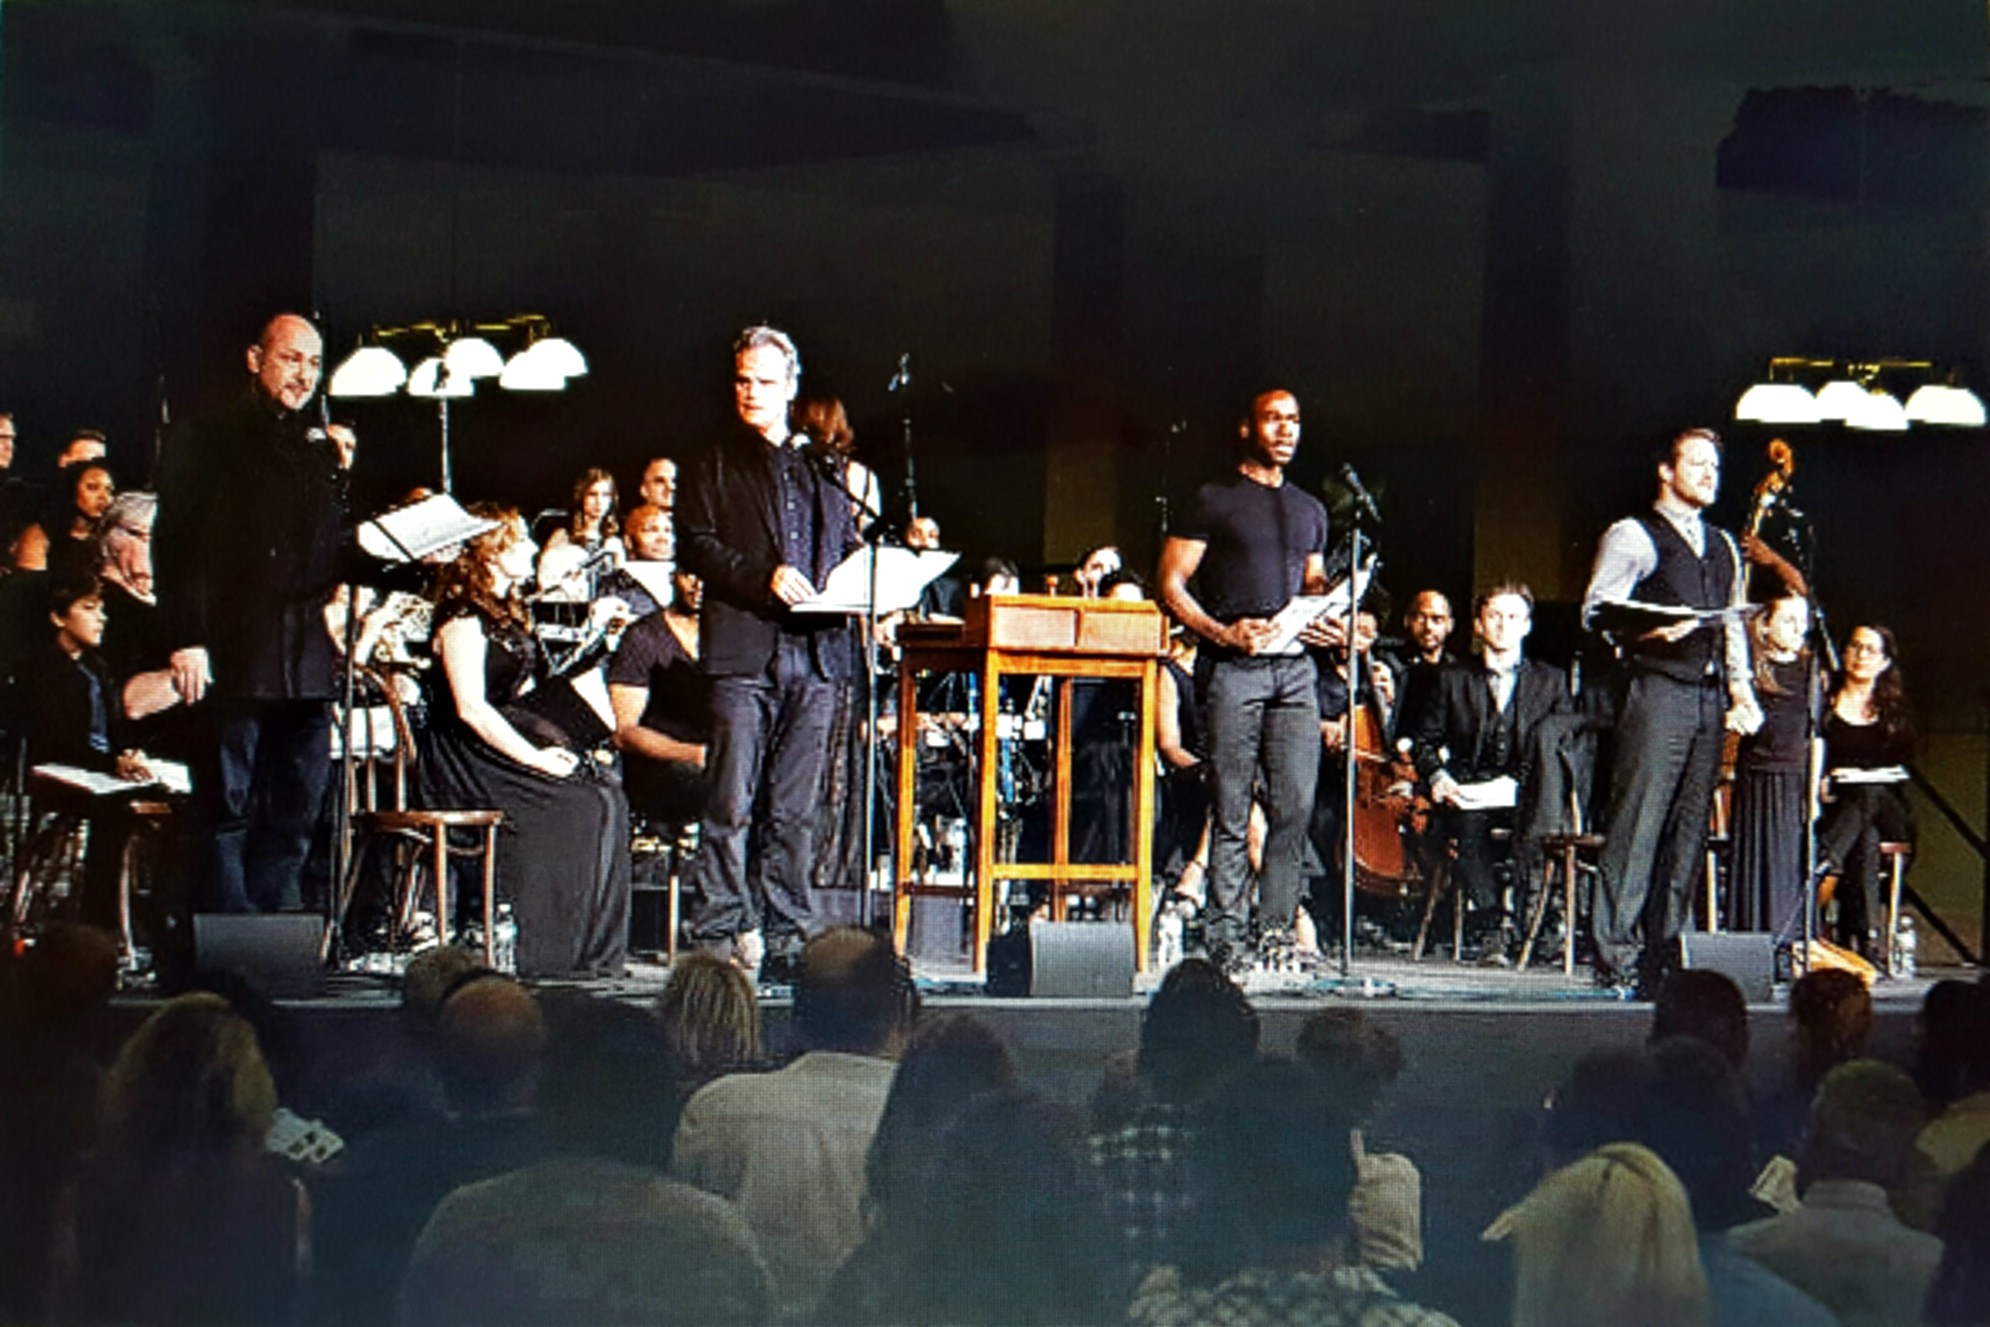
<point>1905,943</point>
<point>1168,937</point>
<point>504,940</point>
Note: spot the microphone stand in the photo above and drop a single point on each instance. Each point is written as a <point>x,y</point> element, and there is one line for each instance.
<point>1357,661</point>
<point>1823,659</point>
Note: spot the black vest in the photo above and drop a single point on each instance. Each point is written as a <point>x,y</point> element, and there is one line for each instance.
<point>1693,581</point>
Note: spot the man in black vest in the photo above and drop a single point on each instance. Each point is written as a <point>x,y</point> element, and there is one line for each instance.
<point>1487,719</point>
<point>1686,682</point>
<point>763,520</point>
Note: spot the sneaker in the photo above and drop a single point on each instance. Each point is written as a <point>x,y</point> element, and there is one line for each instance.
<point>748,949</point>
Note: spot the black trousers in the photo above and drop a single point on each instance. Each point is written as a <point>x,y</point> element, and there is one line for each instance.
<point>1662,788</point>
<point>259,802</point>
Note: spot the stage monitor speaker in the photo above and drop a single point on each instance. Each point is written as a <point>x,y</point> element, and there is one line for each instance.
<point>1081,959</point>
<point>276,952</point>
<point>1748,957</point>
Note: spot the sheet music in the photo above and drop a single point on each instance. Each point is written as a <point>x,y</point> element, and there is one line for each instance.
<point>1497,794</point>
<point>902,574</point>
<point>1851,774</point>
<point>1295,617</point>
<point>407,534</point>
<point>168,774</point>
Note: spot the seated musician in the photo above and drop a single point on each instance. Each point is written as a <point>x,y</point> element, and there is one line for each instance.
<point>943,597</point>
<point>642,583</point>
<point>1491,718</point>
<point>662,709</point>
<point>1376,695</point>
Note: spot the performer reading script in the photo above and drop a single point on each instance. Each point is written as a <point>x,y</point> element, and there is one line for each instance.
<point>1685,681</point>
<point>1251,542</point>
<point>763,523</point>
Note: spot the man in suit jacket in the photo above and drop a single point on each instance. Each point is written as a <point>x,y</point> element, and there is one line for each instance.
<point>1489,718</point>
<point>763,519</point>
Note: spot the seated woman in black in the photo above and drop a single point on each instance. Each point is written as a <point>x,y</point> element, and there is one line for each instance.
<point>563,858</point>
<point>60,542</point>
<point>662,703</point>
<point>1868,728</point>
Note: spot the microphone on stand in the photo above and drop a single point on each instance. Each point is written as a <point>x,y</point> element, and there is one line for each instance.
<point>903,378</point>
<point>1363,500</point>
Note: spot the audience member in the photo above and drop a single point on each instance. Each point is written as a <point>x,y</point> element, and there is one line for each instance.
<point>402,1083</point>
<point>1196,1031</point>
<point>1952,1140</point>
<point>1602,1100</point>
<point>59,542</point>
<point>48,1095</point>
<point>1703,1003</point>
<point>595,1233</point>
<point>178,1214</point>
<point>789,1147</point>
<point>995,1227</point>
<point>1831,1017</point>
<point>489,1038</point>
<point>1697,1122</point>
<point>1608,1239</point>
<point>1843,1245</point>
<point>1960,1293</point>
<point>1357,1060</point>
<point>710,1018</point>
<point>948,1063</point>
<point>1948,1029</point>
<point>1273,1177</point>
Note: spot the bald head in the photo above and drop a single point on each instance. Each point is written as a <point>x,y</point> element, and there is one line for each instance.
<point>287,359</point>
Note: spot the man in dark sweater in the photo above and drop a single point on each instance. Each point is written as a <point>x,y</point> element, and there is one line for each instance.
<point>1251,542</point>
<point>252,523</point>
<point>1686,681</point>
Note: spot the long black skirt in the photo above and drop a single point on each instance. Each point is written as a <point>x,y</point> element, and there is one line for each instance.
<point>563,852</point>
<point>1765,882</point>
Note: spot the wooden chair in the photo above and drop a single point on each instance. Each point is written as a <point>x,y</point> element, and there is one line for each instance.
<point>420,836</point>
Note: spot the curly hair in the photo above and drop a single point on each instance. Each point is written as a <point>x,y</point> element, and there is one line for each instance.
<point>468,581</point>
<point>1889,701</point>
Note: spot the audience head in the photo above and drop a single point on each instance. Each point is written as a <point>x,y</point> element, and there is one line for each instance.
<point>1602,1100</point>
<point>83,445</point>
<point>1356,1058</point>
<point>124,541</point>
<point>65,977</point>
<point>1273,1172</point>
<point>192,1078</point>
<point>1952,1049</point>
<point>659,483</point>
<point>823,419</point>
<point>1831,1016</point>
<point>1001,1224</point>
<point>948,1062</point>
<point>594,506</point>
<point>1197,1028</point>
<point>606,1088</point>
<point>430,978</point>
<point>650,535</point>
<point>1862,1125</point>
<point>1699,1002</point>
<point>852,993</point>
<point>286,360</point>
<point>1608,1239</point>
<point>1960,1293</point>
<point>490,1037</point>
<point>710,1018</point>
<point>1697,1121</point>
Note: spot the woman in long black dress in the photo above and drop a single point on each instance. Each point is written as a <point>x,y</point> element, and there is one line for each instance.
<point>1770,807</point>
<point>1867,729</point>
<point>563,857</point>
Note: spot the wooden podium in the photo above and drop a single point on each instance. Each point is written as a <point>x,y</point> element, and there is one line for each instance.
<point>1033,636</point>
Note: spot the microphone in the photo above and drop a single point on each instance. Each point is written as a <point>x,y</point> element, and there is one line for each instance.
<point>903,378</point>
<point>1364,501</point>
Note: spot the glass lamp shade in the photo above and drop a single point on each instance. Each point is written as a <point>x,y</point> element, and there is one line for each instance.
<point>1939,403</point>
<point>1878,412</point>
<point>562,354</point>
<point>528,371</point>
<point>1840,399</point>
<point>1777,403</point>
<point>431,379</point>
<point>368,371</point>
<point>473,357</point>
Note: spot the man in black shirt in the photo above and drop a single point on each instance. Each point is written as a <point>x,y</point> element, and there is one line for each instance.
<point>248,546</point>
<point>662,707</point>
<point>1428,624</point>
<point>762,523</point>
<point>1250,542</point>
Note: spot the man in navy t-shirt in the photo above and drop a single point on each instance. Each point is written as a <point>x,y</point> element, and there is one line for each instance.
<point>1250,542</point>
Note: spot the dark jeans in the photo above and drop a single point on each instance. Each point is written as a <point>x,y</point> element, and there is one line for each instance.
<point>1662,788</point>
<point>764,763</point>
<point>1263,719</point>
<point>1855,822</point>
<point>259,805</point>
